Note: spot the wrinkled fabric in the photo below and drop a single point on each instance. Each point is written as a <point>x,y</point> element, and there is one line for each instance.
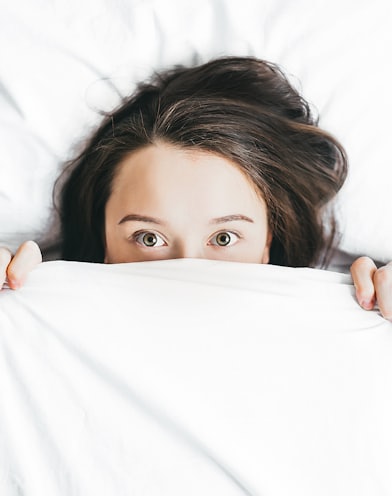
<point>192,377</point>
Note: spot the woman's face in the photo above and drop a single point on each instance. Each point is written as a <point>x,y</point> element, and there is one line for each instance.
<point>169,202</point>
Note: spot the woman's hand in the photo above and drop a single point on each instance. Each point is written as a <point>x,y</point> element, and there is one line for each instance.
<point>373,285</point>
<point>15,269</point>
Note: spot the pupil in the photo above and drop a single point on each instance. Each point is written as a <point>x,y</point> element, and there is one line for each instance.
<point>149,239</point>
<point>223,239</point>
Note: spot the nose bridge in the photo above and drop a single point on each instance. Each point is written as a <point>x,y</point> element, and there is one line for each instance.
<point>189,248</point>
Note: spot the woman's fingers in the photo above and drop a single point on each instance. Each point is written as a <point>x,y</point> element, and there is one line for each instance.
<point>5,258</point>
<point>373,285</point>
<point>383,286</point>
<point>27,257</point>
<point>362,272</point>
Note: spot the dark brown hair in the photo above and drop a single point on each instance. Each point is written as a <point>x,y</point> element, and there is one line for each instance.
<point>241,108</point>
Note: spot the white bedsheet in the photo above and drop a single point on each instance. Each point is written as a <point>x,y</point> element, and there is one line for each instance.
<point>192,377</point>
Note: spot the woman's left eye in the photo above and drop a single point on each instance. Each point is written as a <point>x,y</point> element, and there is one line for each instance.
<point>224,238</point>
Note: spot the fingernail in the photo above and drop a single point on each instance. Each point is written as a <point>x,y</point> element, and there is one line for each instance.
<point>367,304</point>
<point>13,284</point>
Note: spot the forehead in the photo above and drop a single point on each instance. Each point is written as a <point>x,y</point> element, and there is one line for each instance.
<point>162,173</point>
<point>164,164</point>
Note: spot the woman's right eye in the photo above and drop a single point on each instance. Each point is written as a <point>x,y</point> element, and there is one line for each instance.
<point>149,239</point>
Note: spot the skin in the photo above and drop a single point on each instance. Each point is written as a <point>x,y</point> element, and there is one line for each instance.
<point>373,285</point>
<point>189,204</point>
<point>16,268</point>
<point>221,217</point>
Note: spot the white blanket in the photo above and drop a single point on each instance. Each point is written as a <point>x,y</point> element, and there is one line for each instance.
<point>192,377</point>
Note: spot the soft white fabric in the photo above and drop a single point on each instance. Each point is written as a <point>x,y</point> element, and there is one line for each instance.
<point>190,377</point>
<point>60,62</point>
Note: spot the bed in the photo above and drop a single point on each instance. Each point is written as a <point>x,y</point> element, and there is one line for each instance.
<point>191,376</point>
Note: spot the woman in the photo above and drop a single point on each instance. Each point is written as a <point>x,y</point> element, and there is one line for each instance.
<point>221,161</point>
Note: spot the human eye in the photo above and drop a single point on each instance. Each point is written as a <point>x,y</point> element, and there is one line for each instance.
<point>148,239</point>
<point>224,238</point>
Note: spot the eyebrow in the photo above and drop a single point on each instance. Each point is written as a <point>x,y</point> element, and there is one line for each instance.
<point>154,220</point>
<point>140,218</point>
<point>230,218</point>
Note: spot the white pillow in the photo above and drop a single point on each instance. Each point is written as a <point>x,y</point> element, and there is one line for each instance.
<point>64,61</point>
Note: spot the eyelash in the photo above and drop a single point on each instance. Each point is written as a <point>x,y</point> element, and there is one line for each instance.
<point>231,233</point>
<point>138,234</point>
